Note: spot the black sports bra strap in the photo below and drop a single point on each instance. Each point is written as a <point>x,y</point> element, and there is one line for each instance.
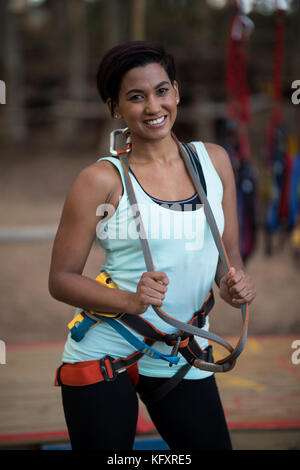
<point>195,159</point>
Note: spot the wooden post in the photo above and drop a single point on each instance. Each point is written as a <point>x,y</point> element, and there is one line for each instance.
<point>14,125</point>
<point>74,12</point>
<point>138,9</point>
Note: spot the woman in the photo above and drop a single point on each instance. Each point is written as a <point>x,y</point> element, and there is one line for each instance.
<point>137,81</point>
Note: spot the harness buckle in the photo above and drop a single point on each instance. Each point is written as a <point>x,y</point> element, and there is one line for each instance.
<point>105,371</point>
<point>201,318</point>
<point>208,363</point>
<point>209,350</point>
<point>170,338</point>
<point>203,312</point>
<point>174,351</point>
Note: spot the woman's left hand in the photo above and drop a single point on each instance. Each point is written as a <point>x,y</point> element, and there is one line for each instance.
<point>237,288</point>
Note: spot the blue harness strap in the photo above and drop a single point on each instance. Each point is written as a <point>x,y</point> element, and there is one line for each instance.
<point>79,330</point>
<point>133,340</point>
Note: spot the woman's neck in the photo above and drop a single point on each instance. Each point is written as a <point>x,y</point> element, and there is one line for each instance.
<point>160,152</point>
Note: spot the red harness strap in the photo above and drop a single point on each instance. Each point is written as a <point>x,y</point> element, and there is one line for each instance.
<point>84,373</point>
<point>91,372</point>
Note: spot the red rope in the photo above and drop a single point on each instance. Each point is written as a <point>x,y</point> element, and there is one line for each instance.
<point>278,65</point>
<point>238,107</point>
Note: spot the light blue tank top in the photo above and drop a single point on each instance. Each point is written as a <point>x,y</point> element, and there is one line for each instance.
<point>181,245</point>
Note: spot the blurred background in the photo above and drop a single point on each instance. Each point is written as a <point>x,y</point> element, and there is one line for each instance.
<point>238,70</point>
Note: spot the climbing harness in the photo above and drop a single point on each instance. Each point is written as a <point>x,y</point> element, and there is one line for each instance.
<point>184,340</point>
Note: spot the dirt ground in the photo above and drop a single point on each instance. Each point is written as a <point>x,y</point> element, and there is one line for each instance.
<point>34,184</point>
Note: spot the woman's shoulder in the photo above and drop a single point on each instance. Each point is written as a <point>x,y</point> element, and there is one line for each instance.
<point>219,158</point>
<point>101,171</point>
<point>100,178</point>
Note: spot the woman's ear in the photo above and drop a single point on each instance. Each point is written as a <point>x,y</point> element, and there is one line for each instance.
<point>113,108</point>
<point>175,86</point>
<point>109,105</point>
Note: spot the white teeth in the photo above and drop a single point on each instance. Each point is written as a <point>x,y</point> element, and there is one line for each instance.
<point>156,121</point>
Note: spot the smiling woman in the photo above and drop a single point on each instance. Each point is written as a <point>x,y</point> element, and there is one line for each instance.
<point>99,375</point>
<point>150,106</point>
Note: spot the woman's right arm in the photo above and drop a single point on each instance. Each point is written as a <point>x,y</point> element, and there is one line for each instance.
<point>72,245</point>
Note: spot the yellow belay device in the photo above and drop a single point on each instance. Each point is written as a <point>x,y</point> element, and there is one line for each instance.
<point>82,323</point>
<point>85,320</point>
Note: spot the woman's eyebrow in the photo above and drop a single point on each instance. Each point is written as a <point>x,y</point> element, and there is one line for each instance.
<point>136,90</point>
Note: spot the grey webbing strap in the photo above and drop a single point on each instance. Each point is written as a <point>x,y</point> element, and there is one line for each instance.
<point>151,397</point>
<point>225,364</point>
<point>218,241</point>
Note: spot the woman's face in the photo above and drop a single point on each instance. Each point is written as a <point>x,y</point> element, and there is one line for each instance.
<point>148,102</point>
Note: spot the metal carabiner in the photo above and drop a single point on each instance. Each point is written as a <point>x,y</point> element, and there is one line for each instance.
<point>113,136</point>
<point>175,349</point>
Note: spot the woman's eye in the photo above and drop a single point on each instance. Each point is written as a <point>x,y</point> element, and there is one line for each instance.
<point>136,98</point>
<point>163,91</point>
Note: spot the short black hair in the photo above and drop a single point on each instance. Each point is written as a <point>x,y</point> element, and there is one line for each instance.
<point>122,58</point>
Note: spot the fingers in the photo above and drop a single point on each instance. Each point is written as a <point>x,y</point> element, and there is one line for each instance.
<point>240,287</point>
<point>148,300</point>
<point>234,276</point>
<point>152,288</point>
<point>238,302</point>
<point>159,276</point>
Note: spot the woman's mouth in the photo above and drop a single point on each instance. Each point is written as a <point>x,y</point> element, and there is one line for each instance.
<point>158,122</point>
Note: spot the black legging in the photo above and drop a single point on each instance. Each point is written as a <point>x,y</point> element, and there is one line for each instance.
<point>103,416</point>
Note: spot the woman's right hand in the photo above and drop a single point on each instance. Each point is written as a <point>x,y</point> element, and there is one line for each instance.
<point>151,290</point>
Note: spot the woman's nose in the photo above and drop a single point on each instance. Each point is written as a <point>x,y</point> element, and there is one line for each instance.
<point>152,105</point>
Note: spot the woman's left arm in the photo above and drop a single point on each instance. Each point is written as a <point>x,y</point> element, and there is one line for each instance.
<point>236,287</point>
